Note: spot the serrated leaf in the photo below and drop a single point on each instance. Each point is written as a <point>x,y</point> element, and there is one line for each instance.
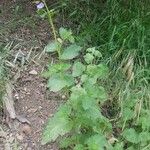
<point>93,113</point>
<point>94,52</point>
<point>58,82</point>
<point>131,135</point>
<point>77,94</point>
<point>71,52</point>
<point>118,146</point>
<point>127,113</point>
<point>59,125</point>
<point>87,102</point>
<point>71,39</point>
<point>78,69</point>
<point>144,119</point>
<point>79,147</point>
<point>91,50</point>
<point>56,68</point>
<point>66,142</point>
<point>52,46</point>
<point>96,91</point>
<point>97,71</point>
<point>88,58</point>
<point>144,136</point>
<point>84,78</point>
<point>97,142</point>
<point>64,33</point>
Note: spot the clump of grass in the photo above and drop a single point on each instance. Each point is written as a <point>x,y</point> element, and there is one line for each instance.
<point>4,52</point>
<point>120,30</point>
<point>113,25</point>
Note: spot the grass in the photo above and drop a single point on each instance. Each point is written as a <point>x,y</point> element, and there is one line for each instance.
<point>113,25</point>
<point>120,31</point>
<point>4,52</point>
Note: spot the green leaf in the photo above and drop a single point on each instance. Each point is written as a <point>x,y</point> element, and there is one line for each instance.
<point>87,102</point>
<point>96,142</point>
<point>144,119</point>
<point>94,113</point>
<point>71,52</point>
<point>77,94</point>
<point>59,125</point>
<point>52,46</point>
<point>66,142</point>
<point>97,71</point>
<point>131,135</point>
<point>94,52</point>
<point>118,146</point>
<point>88,58</point>
<point>91,50</point>
<point>96,91</point>
<point>84,78</point>
<point>79,147</point>
<point>59,81</point>
<point>127,113</point>
<point>56,68</point>
<point>78,69</point>
<point>66,34</point>
<point>144,136</point>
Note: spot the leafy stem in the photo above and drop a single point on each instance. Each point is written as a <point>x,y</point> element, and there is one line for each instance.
<point>50,20</point>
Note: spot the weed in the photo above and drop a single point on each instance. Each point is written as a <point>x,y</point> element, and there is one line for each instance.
<point>4,50</point>
<point>117,33</point>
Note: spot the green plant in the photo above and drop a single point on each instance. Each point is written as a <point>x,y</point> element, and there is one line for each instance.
<point>4,50</point>
<point>81,115</point>
<point>105,109</point>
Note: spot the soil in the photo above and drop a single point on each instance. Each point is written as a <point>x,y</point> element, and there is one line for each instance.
<point>33,101</point>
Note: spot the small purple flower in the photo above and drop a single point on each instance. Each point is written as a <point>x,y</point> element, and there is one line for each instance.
<point>40,5</point>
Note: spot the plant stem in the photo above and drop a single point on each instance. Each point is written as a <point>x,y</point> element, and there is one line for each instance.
<point>50,20</point>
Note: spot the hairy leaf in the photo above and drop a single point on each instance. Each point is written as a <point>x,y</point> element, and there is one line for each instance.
<point>79,147</point>
<point>97,142</point>
<point>88,58</point>
<point>56,68</point>
<point>78,69</point>
<point>52,46</point>
<point>131,135</point>
<point>58,82</point>
<point>71,52</point>
<point>58,125</point>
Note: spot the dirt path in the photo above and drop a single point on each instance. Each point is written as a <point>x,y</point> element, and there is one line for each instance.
<point>37,104</point>
<point>32,99</point>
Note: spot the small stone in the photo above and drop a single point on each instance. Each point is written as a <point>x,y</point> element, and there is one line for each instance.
<point>26,129</point>
<point>32,110</point>
<point>63,97</point>
<point>19,137</point>
<point>33,72</point>
<point>16,96</point>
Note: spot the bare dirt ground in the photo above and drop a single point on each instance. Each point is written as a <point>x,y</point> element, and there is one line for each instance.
<point>32,100</point>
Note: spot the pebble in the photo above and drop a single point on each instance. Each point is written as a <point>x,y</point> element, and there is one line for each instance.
<point>19,137</point>
<point>26,129</point>
<point>33,72</point>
